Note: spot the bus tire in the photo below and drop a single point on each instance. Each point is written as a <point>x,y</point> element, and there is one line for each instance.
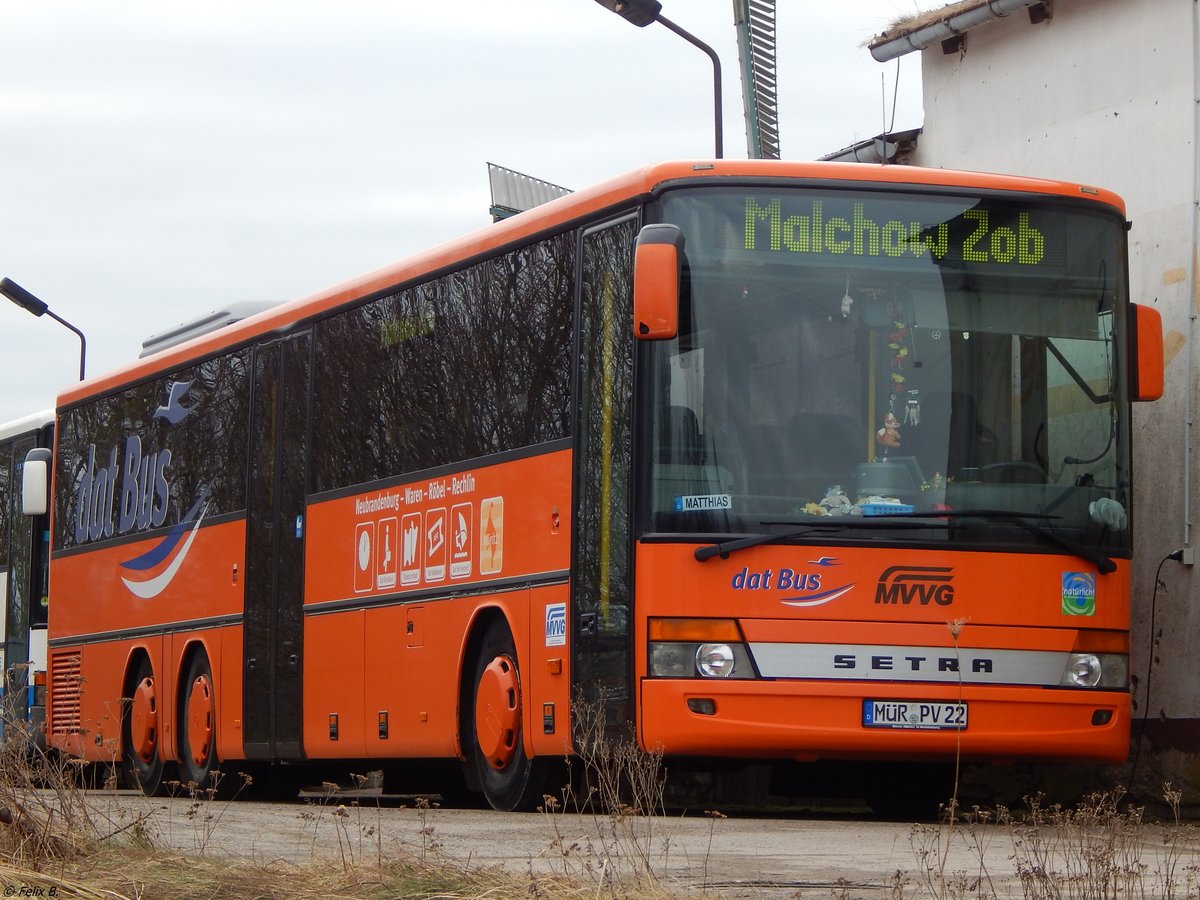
<point>140,732</point>
<point>198,726</point>
<point>492,736</point>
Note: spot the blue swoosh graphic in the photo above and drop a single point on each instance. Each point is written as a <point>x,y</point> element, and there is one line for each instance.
<point>155,586</point>
<point>163,548</point>
<point>818,599</point>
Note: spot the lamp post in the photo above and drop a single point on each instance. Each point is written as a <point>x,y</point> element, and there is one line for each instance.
<point>641,13</point>
<point>34,306</point>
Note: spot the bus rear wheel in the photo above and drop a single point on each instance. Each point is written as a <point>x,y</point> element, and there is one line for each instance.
<point>492,735</point>
<point>140,732</point>
<point>198,726</point>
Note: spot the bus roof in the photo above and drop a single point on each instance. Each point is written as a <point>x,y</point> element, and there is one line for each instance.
<point>26,424</point>
<point>610,194</point>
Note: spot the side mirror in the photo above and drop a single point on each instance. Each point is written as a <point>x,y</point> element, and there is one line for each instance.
<point>657,273</point>
<point>35,482</point>
<point>1146,353</point>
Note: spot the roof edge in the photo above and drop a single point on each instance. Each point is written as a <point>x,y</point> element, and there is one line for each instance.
<point>936,25</point>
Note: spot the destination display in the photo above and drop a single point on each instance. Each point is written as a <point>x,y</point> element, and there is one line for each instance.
<point>806,226</point>
<point>894,229</point>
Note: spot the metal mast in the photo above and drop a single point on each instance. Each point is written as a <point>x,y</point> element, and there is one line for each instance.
<point>755,23</point>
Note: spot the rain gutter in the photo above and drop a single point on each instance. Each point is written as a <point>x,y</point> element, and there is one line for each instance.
<point>1189,409</point>
<point>953,25</point>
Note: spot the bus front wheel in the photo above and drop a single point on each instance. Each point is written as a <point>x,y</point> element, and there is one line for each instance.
<point>492,733</point>
<point>140,732</point>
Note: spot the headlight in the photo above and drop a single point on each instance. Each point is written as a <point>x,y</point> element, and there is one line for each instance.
<point>697,648</point>
<point>1083,670</point>
<point>715,660</point>
<point>1096,670</point>
<point>673,660</point>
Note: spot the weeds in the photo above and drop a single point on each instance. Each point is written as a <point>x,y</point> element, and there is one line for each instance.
<point>429,844</point>
<point>610,836</point>
<point>42,811</point>
<point>1097,850</point>
<point>207,804</point>
<point>618,788</point>
<point>1100,849</point>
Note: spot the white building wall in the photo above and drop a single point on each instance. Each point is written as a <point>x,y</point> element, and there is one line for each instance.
<point>1105,93</point>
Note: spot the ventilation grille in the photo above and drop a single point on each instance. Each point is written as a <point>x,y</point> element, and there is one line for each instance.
<point>66,690</point>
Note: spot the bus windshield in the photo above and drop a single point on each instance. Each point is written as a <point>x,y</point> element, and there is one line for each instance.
<point>857,358</point>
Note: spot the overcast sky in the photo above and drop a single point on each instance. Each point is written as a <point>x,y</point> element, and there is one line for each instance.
<point>159,160</point>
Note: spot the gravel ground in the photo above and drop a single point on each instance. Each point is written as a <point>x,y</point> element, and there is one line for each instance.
<point>735,856</point>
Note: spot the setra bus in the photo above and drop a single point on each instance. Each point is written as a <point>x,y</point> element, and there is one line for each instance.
<point>773,460</point>
<point>24,558</point>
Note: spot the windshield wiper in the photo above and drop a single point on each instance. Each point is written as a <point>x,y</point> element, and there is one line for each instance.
<point>724,548</point>
<point>1092,554</point>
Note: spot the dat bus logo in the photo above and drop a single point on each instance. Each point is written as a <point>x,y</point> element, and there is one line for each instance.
<point>811,591</point>
<point>902,585</point>
<point>128,489</point>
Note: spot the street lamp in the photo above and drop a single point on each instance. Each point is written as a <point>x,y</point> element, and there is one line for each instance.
<point>641,13</point>
<point>34,306</point>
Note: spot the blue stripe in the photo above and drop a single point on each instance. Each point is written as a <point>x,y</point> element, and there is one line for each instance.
<point>163,548</point>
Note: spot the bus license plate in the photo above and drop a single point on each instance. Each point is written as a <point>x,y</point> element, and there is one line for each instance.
<point>914,714</point>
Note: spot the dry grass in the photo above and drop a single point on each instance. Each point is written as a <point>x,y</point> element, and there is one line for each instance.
<point>56,841</point>
<point>114,873</point>
<point>916,21</point>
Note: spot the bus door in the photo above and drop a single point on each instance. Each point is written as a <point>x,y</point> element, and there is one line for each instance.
<point>602,578</point>
<point>273,661</point>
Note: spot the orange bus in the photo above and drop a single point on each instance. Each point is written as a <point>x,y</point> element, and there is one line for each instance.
<point>773,460</point>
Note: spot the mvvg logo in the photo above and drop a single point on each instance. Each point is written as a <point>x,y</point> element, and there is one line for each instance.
<point>924,584</point>
<point>556,625</point>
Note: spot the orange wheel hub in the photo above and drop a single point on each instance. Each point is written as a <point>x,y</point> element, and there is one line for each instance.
<point>143,720</point>
<point>200,720</point>
<point>498,712</point>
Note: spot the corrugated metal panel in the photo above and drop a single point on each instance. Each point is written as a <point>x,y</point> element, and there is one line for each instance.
<point>755,21</point>
<point>514,192</point>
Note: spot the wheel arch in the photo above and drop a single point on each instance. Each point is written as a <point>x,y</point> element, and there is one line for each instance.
<point>190,650</point>
<point>133,659</point>
<point>483,619</point>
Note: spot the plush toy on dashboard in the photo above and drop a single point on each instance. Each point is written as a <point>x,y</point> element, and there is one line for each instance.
<point>888,437</point>
<point>835,502</point>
